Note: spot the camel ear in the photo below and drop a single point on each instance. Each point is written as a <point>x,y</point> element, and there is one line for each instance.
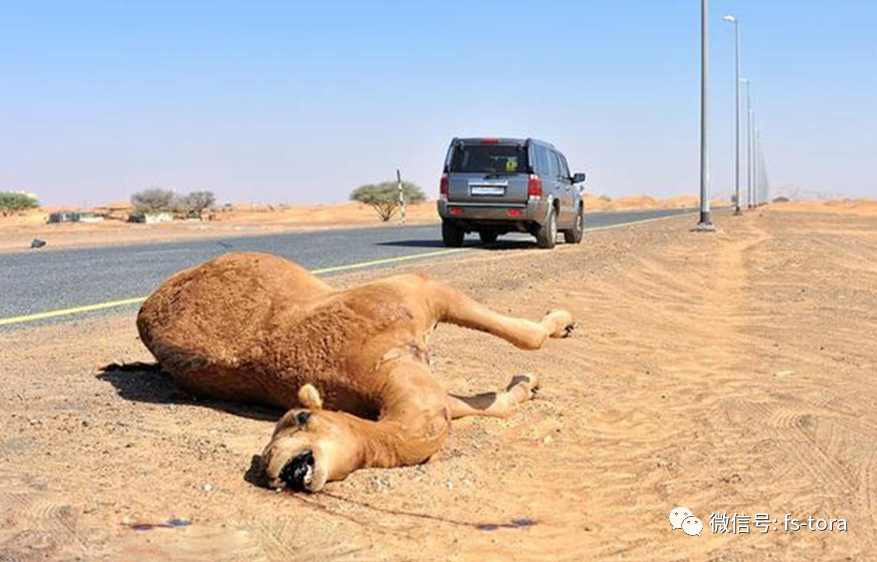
<point>310,397</point>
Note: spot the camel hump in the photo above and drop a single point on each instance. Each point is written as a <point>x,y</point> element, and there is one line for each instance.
<point>225,308</point>
<point>265,265</point>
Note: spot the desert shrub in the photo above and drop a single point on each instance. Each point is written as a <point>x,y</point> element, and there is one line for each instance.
<point>11,202</point>
<point>155,200</point>
<point>781,199</point>
<point>384,197</point>
<point>605,198</point>
<point>158,200</point>
<point>199,201</point>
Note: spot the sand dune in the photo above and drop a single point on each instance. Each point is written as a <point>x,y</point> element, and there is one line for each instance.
<point>866,207</point>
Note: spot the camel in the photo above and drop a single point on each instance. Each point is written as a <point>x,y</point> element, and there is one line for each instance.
<point>350,366</point>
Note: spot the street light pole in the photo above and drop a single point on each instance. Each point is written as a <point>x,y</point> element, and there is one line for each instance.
<point>748,144</point>
<point>732,19</point>
<point>765,182</point>
<point>757,172</point>
<point>752,157</point>
<point>705,222</point>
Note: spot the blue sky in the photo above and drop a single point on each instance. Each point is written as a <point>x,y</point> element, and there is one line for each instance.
<point>304,101</point>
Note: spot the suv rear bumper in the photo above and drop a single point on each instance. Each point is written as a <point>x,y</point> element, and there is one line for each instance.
<point>533,211</point>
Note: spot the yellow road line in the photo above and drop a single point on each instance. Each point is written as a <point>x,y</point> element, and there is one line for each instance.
<point>68,311</point>
<point>385,261</point>
<point>643,221</point>
<point>335,269</point>
<point>138,300</point>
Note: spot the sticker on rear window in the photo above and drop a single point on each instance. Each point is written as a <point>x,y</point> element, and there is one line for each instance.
<point>489,159</point>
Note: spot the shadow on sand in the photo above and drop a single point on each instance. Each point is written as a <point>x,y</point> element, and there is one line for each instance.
<point>147,382</point>
<point>511,244</point>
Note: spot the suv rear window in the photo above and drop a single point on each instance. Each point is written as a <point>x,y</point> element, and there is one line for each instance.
<point>490,159</point>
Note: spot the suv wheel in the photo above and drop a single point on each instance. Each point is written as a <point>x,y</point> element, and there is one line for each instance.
<point>488,236</point>
<point>574,236</point>
<point>546,235</point>
<point>452,235</point>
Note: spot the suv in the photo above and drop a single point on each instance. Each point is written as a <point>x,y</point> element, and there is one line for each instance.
<point>494,186</point>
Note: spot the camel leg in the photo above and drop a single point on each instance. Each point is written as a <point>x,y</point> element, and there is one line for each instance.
<point>457,308</point>
<point>495,404</point>
<point>315,446</point>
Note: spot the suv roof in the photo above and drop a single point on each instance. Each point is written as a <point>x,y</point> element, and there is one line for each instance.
<point>502,140</point>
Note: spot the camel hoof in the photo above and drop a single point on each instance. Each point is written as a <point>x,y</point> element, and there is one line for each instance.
<point>568,330</point>
<point>563,322</point>
<point>527,381</point>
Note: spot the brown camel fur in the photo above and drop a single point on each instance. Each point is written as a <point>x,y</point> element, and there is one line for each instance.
<point>352,365</point>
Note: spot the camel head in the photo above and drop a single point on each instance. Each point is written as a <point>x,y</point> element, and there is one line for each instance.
<point>309,447</point>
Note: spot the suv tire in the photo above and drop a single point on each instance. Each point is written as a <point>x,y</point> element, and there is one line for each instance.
<point>574,235</point>
<point>452,235</point>
<point>546,234</point>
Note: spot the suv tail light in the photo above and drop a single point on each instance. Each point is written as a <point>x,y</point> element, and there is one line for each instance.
<point>534,187</point>
<point>443,187</point>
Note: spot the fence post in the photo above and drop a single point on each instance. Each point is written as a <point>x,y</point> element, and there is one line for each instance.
<point>401,197</point>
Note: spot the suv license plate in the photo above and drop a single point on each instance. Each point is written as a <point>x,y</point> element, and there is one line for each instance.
<point>487,190</point>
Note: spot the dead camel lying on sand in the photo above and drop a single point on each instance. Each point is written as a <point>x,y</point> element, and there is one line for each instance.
<point>353,365</point>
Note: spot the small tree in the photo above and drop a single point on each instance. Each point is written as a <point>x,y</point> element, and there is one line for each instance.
<point>11,202</point>
<point>384,197</point>
<point>199,201</point>
<point>155,200</point>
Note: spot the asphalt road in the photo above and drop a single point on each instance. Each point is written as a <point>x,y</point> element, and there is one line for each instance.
<point>37,281</point>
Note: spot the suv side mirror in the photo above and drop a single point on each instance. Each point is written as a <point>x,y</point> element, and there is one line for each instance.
<point>578,178</point>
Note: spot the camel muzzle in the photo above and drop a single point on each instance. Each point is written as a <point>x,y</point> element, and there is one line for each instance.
<point>299,471</point>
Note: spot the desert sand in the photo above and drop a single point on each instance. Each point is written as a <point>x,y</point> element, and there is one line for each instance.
<point>17,231</point>
<point>865,207</point>
<point>727,373</point>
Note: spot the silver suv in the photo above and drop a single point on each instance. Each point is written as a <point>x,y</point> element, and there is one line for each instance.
<point>493,186</point>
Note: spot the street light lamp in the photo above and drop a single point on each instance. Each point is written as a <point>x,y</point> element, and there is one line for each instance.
<point>705,222</point>
<point>731,19</point>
